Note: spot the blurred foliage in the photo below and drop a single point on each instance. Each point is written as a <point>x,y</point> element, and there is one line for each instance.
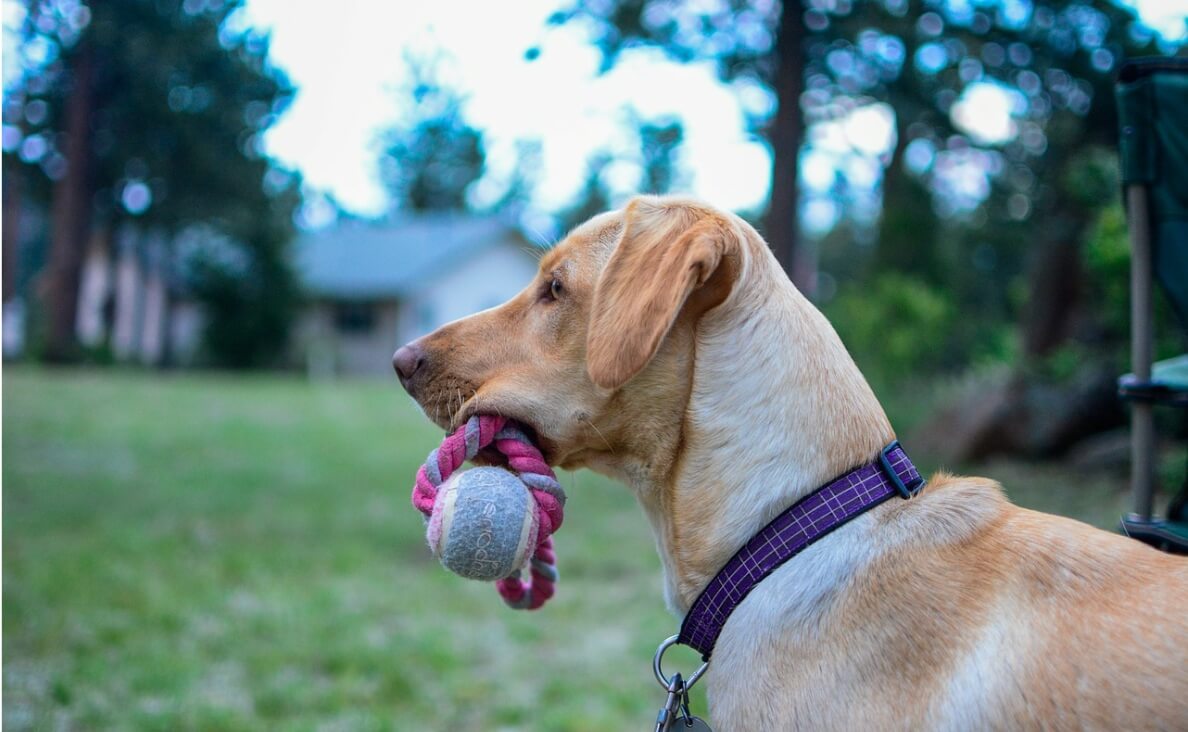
<point>659,141</point>
<point>1103,331</point>
<point>752,46</point>
<point>1018,210</point>
<point>248,302</point>
<point>432,157</point>
<point>955,213</point>
<point>737,36</point>
<point>657,159</point>
<point>593,198</point>
<point>1107,266</point>
<point>174,97</point>
<point>521,183</point>
<point>1054,63</point>
<point>897,325</point>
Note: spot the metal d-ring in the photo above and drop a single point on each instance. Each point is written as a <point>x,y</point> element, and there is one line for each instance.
<point>664,680</point>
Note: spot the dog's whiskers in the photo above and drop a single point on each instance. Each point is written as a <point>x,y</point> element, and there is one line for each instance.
<point>542,241</point>
<point>599,433</point>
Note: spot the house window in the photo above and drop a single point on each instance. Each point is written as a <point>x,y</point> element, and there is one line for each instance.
<point>354,317</point>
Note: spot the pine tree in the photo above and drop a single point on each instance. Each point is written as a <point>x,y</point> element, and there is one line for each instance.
<point>151,112</point>
<point>432,156</point>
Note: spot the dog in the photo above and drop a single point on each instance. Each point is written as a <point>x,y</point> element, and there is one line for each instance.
<point>662,345</point>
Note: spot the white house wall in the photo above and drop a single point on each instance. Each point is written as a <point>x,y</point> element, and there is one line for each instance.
<point>94,289</point>
<point>126,336</point>
<point>475,284</point>
<point>369,353</point>
<point>328,351</point>
<point>185,331</point>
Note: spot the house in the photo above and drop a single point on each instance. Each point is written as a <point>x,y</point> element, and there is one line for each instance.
<point>371,287</point>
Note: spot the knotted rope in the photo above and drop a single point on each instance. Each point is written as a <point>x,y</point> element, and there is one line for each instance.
<point>526,461</point>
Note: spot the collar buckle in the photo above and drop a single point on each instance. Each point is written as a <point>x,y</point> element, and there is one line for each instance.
<point>906,491</point>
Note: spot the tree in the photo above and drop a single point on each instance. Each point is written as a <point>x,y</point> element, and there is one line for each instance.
<point>430,159</point>
<point>919,56</point>
<point>151,112</point>
<point>656,157</point>
<point>593,199</point>
<point>659,141</point>
<point>1020,253</point>
<point>1054,58</point>
<point>750,42</point>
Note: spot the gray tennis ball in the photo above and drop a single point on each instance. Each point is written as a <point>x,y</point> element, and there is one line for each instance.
<point>483,524</point>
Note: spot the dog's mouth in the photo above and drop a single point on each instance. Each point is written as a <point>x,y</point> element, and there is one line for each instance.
<point>489,455</point>
<point>448,406</point>
<point>492,457</point>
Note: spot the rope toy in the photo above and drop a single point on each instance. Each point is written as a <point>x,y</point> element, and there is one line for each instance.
<point>484,523</point>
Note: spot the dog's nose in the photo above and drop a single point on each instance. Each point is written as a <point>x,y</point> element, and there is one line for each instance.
<point>407,359</point>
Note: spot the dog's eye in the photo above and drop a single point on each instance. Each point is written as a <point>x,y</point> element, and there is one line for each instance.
<point>555,289</point>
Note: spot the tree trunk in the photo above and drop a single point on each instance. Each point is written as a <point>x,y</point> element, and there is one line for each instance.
<point>71,216</point>
<point>782,224</point>
<point>11,226</point>
<point>1054,285</point>
<point>894,180</point>
<point>165,360</point>
<point>908,229</point>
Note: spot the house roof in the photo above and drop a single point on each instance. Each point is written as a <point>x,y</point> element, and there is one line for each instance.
<point>394,258</point>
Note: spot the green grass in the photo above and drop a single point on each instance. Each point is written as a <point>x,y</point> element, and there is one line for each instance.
<point>240,553</point>
<point>212,552</point>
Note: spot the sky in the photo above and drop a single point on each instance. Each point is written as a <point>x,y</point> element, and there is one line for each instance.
<point>348,65</point>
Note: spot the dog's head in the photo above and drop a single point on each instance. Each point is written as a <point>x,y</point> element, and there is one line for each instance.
<point>598,349</point>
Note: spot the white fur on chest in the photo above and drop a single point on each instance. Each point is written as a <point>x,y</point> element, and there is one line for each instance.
<point>780,626</point>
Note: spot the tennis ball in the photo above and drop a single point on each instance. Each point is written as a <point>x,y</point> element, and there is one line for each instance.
<point>483,524</point>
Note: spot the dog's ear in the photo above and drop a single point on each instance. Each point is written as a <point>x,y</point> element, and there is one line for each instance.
<point>672,257</point>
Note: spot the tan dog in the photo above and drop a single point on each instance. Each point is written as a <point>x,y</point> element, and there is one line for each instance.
<point>662,345</point>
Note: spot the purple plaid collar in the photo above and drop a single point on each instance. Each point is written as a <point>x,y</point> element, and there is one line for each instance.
<point>790,533</point>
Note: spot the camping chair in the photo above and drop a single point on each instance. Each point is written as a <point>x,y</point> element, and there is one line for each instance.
<point>1152,99</point>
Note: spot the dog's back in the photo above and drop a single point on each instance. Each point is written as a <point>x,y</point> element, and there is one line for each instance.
<point>1094,627</point>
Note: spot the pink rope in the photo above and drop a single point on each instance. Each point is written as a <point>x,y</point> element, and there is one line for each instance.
<point>526,461</point>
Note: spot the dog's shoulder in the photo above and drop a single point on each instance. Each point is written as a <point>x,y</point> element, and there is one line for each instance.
<point>974,514</point>
<point>1059,557</point>
<point>970,520</point>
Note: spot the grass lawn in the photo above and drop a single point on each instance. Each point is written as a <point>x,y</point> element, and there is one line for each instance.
<point>221,552</point>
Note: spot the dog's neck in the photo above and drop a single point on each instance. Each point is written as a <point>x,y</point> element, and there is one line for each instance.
<point>776,409</point>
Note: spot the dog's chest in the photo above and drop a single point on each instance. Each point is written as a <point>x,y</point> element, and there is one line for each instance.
<point>779,660</point>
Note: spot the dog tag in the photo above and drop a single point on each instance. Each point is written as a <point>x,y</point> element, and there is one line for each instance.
<point>687,722</point>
